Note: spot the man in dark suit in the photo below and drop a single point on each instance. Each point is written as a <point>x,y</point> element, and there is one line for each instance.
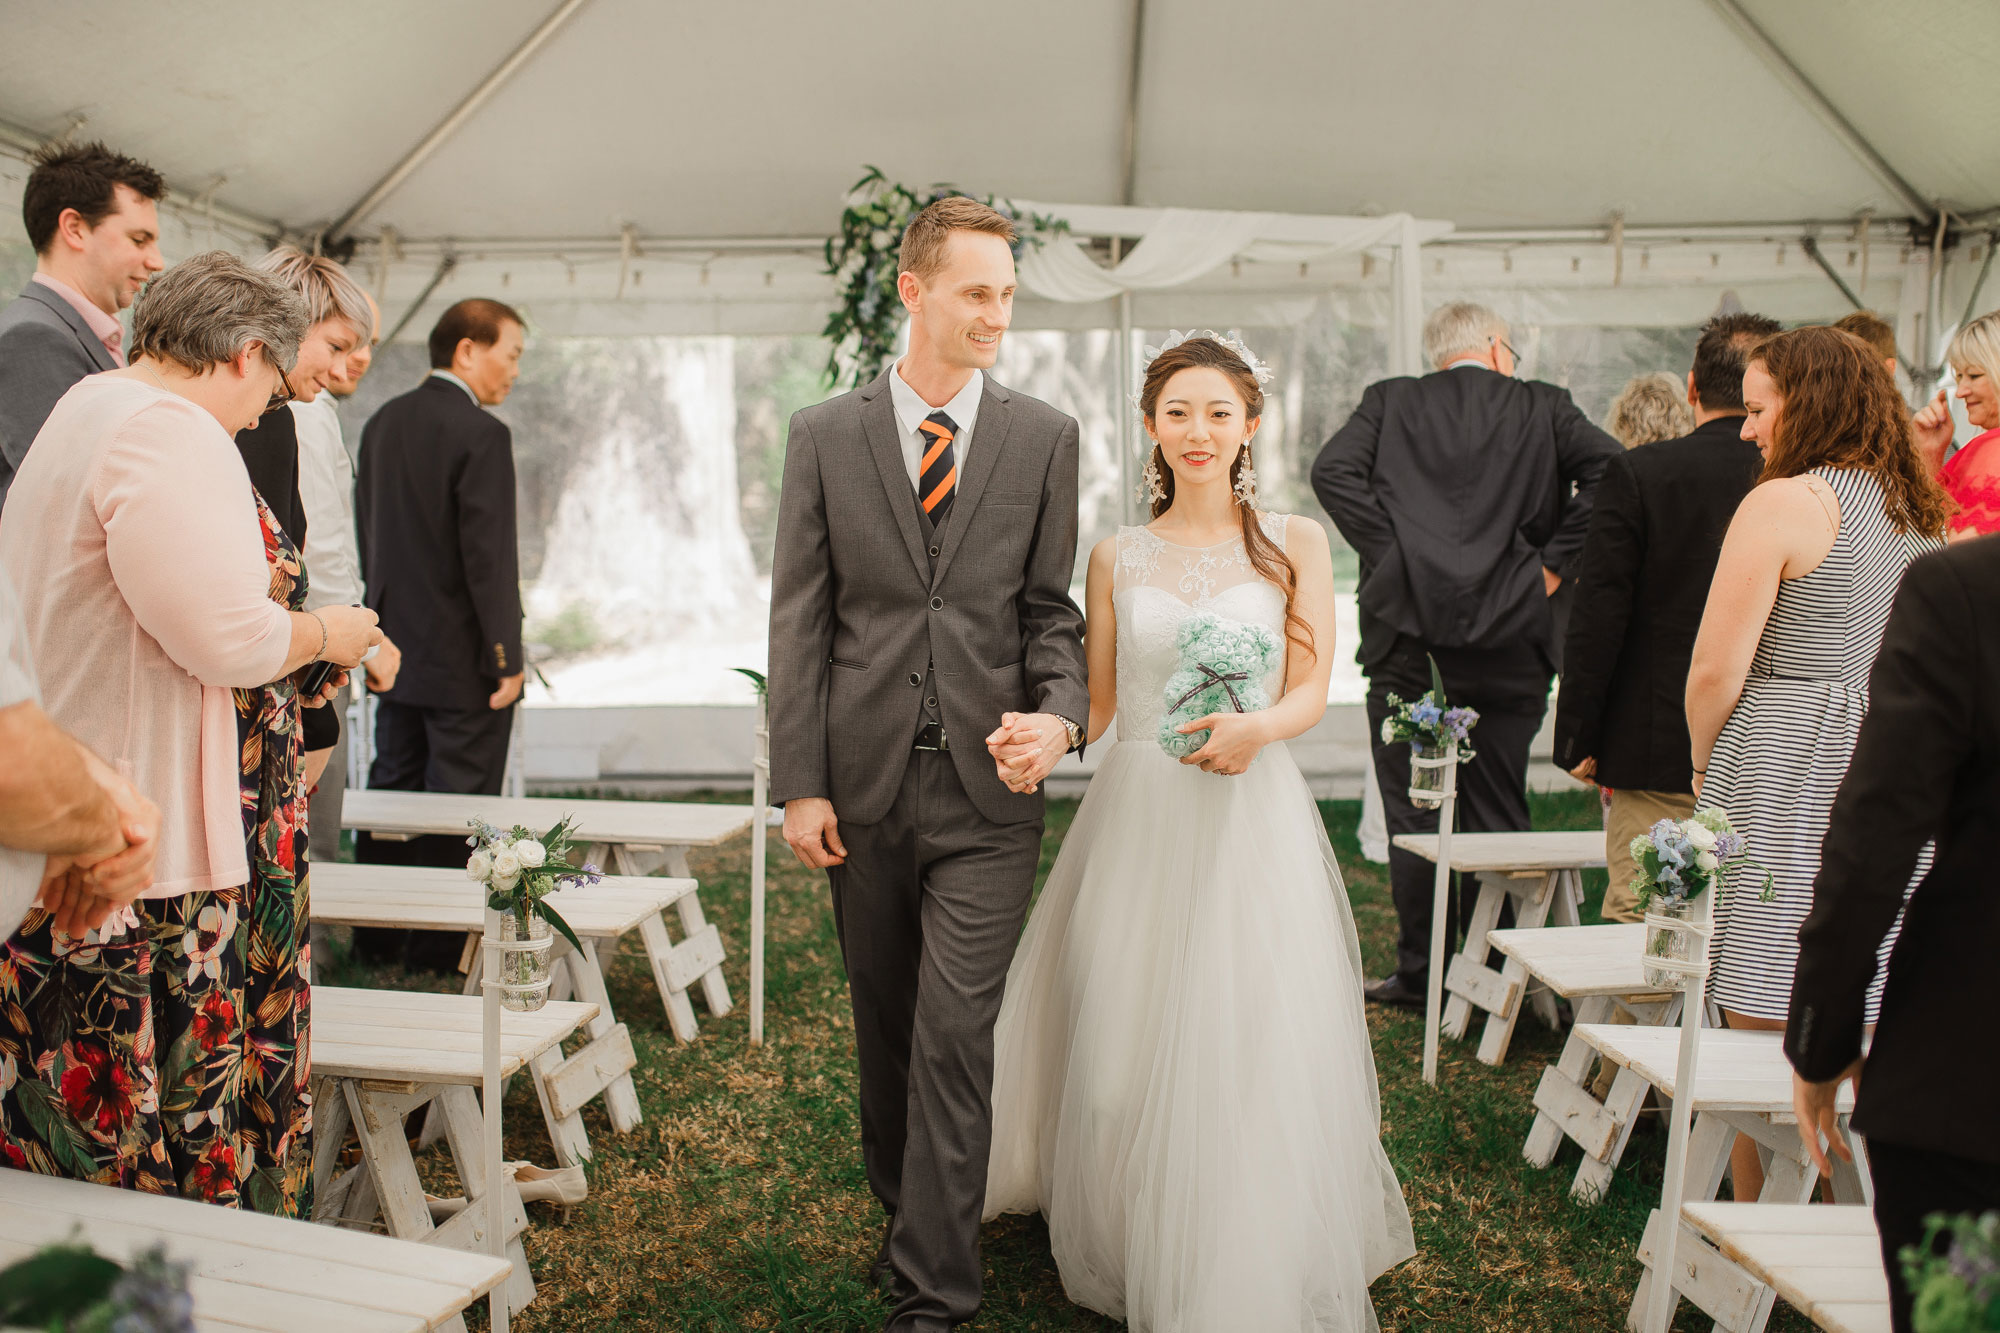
<point>1466,494</point>
<point>1926,768</point>
<point>435,505</point>
<point>90,216</point>
<point>1656,530</point>
<point>926,538</point>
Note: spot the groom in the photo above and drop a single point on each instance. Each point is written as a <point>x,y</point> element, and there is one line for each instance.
<point>919,612</point>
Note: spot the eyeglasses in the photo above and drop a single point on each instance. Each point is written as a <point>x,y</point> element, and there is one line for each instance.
<point>1510,350</point>
<point>282,396</point>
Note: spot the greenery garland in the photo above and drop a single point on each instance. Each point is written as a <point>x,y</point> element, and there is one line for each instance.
<point>862,257</point>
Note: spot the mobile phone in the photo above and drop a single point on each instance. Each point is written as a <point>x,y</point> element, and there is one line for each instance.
<point>317,675</point>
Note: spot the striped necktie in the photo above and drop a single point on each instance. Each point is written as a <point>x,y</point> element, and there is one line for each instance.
<point>937,475</point>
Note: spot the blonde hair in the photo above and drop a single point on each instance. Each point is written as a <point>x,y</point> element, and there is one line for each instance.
<point>1978,344</point>
<point>1650,408</point>
<point>328,290</point>
<point>924,240</point>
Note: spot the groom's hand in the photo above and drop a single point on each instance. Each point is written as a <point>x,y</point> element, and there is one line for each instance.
<point>813,833</point>
<point>1026,747</point>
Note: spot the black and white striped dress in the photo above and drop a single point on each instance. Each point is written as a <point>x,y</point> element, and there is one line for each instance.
<point>1783,752</point>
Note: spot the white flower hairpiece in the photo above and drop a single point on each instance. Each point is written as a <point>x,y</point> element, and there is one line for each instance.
<point>1233,340</point>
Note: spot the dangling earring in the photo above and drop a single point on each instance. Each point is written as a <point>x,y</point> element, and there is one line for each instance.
<point>1246,481</point>
<point>1153,486</point>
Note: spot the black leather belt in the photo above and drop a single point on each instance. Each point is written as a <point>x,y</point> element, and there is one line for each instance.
<point>932,737</point>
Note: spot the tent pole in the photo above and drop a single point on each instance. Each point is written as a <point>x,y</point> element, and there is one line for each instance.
<point>449,126</point>
<point>1128,445</point>
<point>444,268</point>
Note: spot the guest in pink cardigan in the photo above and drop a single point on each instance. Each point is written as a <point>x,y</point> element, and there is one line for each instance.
<point>167,1050</point>
<point>1972,477</point>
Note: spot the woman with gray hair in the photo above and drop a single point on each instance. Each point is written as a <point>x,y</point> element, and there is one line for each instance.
<point>166,1048</point>
<point>1972,477</point>
<point>1650,408</point>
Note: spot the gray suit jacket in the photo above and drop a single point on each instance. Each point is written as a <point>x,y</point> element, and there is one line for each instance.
<point>45,348</point>
<point>859,607</point>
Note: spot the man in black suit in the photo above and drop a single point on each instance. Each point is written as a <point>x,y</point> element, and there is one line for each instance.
<point>1926,767</point>
<point>91,217</point>
<point>435,505</point>
<point>1466,494</point>
<point>1656,530</point>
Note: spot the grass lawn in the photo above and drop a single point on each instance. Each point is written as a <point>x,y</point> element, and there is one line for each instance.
<point>740,1203</point>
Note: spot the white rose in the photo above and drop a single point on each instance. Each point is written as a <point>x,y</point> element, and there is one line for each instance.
<point>506,865</point>
<point>530,853</point>
<point>479,865</point>
<point>504,883</point>
<point>1699,836</point>
<point>1706,860</point>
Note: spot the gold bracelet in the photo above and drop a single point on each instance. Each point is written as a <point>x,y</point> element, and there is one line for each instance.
<point>322,635</point>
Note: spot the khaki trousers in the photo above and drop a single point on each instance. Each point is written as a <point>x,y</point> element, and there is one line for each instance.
<point>1631,814</point>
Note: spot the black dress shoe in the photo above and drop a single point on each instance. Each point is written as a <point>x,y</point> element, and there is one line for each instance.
<point>1393,990</point>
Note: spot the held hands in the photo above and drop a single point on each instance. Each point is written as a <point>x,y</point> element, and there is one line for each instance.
<point>1233,741</point>
<point>1813,1103</point>
<point>1932,428</point>
<point>81,892</point>
<point>1025,748</point>
<point>813,833</point>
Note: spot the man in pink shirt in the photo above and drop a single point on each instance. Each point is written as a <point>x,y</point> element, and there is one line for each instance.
<point>90,214</point>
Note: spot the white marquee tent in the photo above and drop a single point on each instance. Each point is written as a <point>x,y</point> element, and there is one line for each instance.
<point>645,166</point>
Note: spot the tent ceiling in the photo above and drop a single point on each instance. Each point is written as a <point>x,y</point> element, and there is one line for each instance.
<point>749,120</point>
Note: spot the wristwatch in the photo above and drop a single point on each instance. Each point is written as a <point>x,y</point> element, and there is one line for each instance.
<point>1075,732</point>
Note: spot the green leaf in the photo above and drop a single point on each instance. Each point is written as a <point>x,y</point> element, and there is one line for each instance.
<point>1437,682</point>
<point>554,918</point>
<point>54,1285</point>
<point>756,678</point>
<point>50,1119</point>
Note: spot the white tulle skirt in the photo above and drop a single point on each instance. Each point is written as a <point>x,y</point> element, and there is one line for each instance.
<point>1184,1085</point>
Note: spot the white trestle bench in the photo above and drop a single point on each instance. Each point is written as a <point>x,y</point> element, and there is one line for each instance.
<point>428,898</point>
<point>379,1055</point>
<point>1599,970</point>
<point>1826,1263</point>
<point>253,1271</point>
<point>1742,1084</point>
<point>623,838</point>
<point>1543,874</point>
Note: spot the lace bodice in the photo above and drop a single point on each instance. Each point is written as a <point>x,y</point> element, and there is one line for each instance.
<point>1156,586</point>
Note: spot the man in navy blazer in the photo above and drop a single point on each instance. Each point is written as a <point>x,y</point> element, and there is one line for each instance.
<point>90,215</point>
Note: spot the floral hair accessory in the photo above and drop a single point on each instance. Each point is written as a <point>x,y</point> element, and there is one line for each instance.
<point>1233,340</point>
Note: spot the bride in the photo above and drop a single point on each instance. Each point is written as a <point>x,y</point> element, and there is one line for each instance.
<point>1184,1085</point>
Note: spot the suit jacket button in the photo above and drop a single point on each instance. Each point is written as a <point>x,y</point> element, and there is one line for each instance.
<point>937,603</point>
<point>915,679</point>
<point>934,551</point>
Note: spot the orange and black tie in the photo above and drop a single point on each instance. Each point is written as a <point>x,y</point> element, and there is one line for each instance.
<point>937,475</point>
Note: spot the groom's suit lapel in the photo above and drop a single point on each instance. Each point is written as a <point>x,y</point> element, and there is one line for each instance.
<point>989,433</point>
<point>878,421</point>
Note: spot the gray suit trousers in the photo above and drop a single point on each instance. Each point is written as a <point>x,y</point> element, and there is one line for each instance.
<point>929,907</point>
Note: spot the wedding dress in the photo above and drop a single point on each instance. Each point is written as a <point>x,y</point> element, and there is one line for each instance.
<point>1184,1084</point>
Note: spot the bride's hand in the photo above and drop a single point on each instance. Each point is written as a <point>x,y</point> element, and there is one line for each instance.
<point>1234,740</point>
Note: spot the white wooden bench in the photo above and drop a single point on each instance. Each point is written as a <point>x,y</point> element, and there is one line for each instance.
<point>429,898</point>
<point>379,1055</point>
<point>623,837</point>
<point>1543,874</point>
<point>253,1271</point>
<point>1826,1263</point>
<point>1599,970</point>
<point>1742,1085</point>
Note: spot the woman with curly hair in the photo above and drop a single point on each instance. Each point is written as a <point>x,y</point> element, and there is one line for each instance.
<point>1779,681</point>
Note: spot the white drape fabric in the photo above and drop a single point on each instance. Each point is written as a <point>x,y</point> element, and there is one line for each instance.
<point>1179,245</point>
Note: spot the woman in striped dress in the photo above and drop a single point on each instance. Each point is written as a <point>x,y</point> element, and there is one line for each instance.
<point>1779,681</point>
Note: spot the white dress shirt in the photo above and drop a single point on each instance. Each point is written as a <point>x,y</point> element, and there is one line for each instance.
<point>326,489</point>
<point>447,375</point>
<point>911,411</point>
